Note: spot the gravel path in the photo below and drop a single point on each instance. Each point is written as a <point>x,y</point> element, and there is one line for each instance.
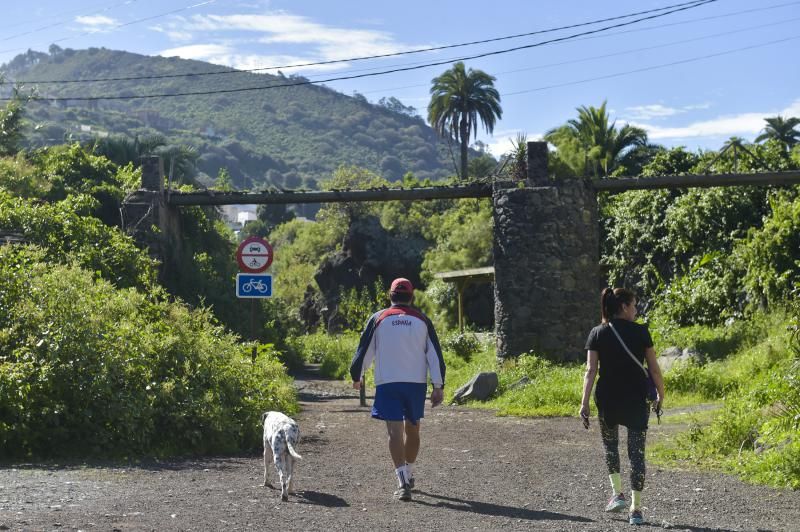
<point>475,472</point>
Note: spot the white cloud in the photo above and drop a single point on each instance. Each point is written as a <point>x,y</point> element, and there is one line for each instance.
<point>657,110</point>
<point>318,41</point>
<point>503,141</point>
<point>96,23</point>
<point>225,54</point>
<point>174,34</point>
<point>744,124</point>
<point>197,51</point>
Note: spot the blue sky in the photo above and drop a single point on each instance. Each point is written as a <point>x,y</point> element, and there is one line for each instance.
<point>653,73</point>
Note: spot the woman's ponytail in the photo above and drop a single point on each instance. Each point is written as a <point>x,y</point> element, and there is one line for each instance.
<point>608,304</point>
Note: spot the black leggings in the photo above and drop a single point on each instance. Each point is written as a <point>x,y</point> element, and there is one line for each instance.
<point>636,441</point>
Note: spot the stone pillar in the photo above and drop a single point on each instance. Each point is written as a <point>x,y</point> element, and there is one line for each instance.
<point>546,253</point>
<point>152,174</point>
<point>537,164</point>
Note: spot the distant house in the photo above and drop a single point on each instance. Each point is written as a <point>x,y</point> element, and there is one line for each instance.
<point>245,216</point>
<point>236,216</point>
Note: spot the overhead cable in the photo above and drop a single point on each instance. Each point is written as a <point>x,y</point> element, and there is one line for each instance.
<point>684,5</point>
<point>61,23</point>
<point>653,67</point>
<point>124,24</point>
<point>370,74</point>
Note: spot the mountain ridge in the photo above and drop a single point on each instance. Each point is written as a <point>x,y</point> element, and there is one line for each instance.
<point>286,136</point>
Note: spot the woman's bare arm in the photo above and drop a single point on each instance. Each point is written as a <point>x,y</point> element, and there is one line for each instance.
<point>588,381</point>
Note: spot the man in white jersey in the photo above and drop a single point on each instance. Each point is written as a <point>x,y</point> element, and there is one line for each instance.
<point>404,346</point>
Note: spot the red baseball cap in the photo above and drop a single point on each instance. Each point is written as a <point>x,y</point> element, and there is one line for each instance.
<point>401,285</point>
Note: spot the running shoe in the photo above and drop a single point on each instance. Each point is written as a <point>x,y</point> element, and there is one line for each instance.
<point>411,483</point>
<point>635,517</point>
<point>616,503</point>
<point>404,493</point>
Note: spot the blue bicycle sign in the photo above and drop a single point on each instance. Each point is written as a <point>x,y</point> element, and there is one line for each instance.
<point>253,285</point>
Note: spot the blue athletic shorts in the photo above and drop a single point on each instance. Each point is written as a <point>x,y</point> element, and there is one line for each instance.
<point>398,401</point>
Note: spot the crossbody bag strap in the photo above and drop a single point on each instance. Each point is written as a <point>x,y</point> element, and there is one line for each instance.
<point>626,349</point>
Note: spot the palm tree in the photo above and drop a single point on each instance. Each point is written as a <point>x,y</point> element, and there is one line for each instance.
<point>121,150</point>
<point>781,129</point>
<point>602,146</point>
<point>459,99</point>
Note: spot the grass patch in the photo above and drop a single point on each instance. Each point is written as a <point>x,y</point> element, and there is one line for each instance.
<point>333,352</point>
<point>755,433</point>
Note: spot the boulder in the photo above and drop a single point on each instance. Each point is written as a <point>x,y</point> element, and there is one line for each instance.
<point>480,387</point>
<point>675,355</point>
<point>524,381</point>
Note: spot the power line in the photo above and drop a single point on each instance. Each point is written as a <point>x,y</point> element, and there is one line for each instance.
<point>685,5</point>
<point>61,23</point>
<point>613,54</point>
<point>700,19</point>
<point>124,24</point>
<point>54,15</point>
<point>391,71</point>
<point>653,67</point>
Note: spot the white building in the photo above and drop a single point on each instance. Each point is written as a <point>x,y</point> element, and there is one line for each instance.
<point>236,216</point>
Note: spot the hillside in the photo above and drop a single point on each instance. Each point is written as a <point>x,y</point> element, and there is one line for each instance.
<point>287,137</point>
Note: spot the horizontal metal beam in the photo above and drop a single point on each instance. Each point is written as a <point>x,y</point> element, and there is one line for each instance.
<point>693,181</point>
<point>209,197</point>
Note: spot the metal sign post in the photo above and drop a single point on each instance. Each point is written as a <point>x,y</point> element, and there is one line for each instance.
<point>254,255</point>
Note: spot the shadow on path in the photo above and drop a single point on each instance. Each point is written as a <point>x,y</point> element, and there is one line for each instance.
<point>316,397</point>
<point>321,499</point>
<point>499,510</point>
<point>704,529</point>
<point>201,465</point>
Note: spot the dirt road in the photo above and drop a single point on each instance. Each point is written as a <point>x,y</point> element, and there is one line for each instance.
<point>475,472</point>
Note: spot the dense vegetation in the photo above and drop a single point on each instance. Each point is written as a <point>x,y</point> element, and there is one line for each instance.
<point>286,137</point>
<point>97,359</point>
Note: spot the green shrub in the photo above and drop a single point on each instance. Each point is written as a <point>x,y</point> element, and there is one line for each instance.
<point>67,232</point>
<point>708,294</point>
<point>356,305</point>
<point>772,253</point>
<point>87,369</point>
<point>462,344</point>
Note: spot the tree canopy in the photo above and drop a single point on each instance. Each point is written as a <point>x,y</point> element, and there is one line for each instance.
<point>591,146</point>
<point>460,100</point>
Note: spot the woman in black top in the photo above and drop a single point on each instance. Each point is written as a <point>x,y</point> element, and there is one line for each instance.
<point>621,394</point>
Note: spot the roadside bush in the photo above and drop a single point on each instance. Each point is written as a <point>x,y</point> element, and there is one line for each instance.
<point>90,370</point>
<point>771,254</point>
<point>67,232</point>
<point>708,294</point>
<point>462,344</point>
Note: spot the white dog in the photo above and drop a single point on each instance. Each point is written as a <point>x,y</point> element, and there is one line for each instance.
<point>281,434</point>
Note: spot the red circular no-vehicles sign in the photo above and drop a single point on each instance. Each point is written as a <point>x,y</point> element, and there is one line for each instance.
<point>254,255</point>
